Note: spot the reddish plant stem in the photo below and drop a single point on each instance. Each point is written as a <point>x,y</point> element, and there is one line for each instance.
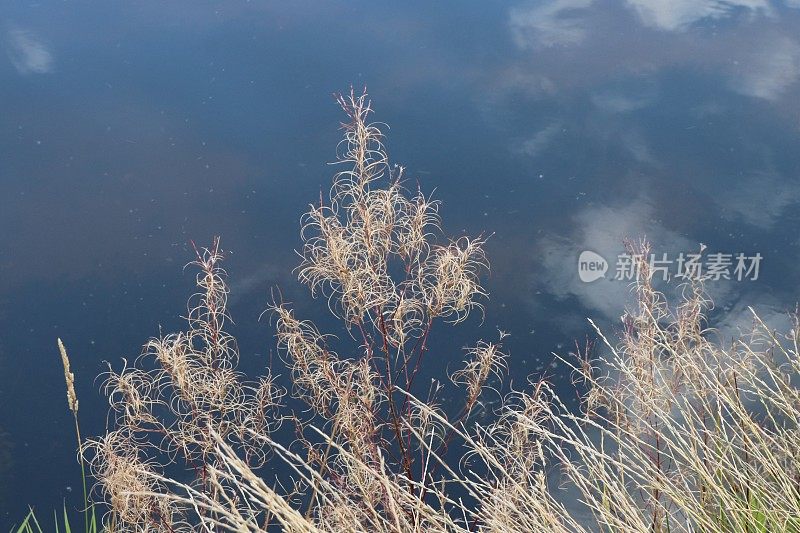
<point>406,458</point>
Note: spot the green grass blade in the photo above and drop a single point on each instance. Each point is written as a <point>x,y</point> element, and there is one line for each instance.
<point>67,529</point>
<point>25,527</point>
<point>36,522</point>
<point>93,522</point>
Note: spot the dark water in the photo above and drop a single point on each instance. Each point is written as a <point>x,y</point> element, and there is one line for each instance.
<point>129,128</point>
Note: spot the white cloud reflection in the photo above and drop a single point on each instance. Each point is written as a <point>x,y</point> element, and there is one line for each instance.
<point>543,24</point>
<point>564,22</point>
<point>763,63</point>
<point>601,230</point>
<point>28,53</point>
<point>678,15</point>
<point>737,318</point>
<point>759,200</point>
<point>541,140</point>
<point>769,72</point>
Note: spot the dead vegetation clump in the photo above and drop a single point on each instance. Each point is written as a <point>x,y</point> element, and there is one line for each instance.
<point>678,432</point>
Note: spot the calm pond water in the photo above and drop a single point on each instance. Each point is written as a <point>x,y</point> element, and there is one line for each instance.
<point>560,126</point>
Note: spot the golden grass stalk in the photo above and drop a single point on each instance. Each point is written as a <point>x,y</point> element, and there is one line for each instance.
<point>69,378</point>
<point>72,402</point>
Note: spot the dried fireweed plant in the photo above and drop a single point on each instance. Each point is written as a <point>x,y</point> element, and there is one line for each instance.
<point>364,458</point>
<point>168,408</point>
<point>678,431</point>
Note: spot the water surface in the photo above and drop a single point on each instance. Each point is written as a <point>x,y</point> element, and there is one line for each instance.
<point>129,128</point>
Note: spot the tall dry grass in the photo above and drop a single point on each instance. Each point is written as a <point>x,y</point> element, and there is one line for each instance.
<point>678,432</point>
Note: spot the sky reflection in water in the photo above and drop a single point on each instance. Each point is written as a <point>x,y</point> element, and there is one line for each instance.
<point>129,128</point>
